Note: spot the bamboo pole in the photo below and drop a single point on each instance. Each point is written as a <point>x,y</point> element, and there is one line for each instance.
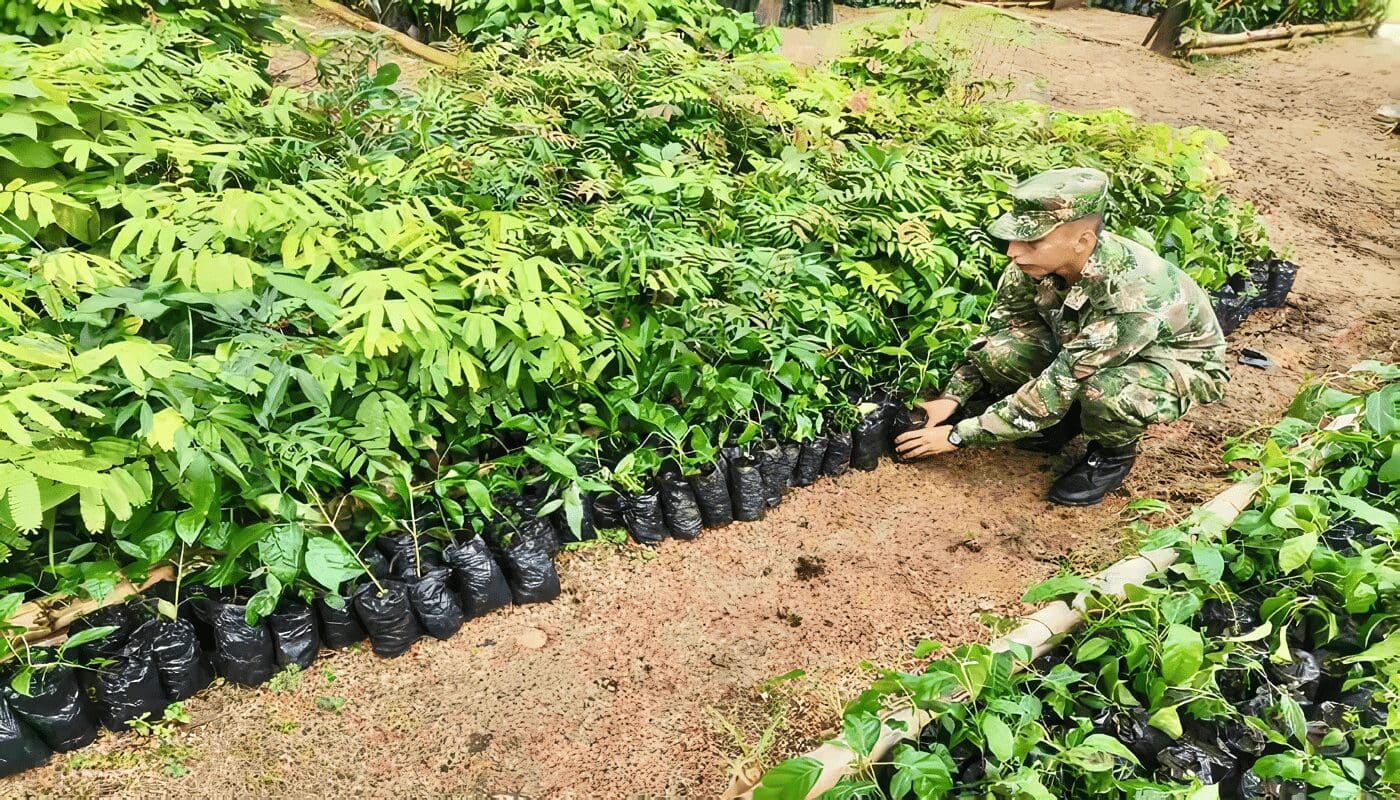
<point>404,42</point>
<point>1039,632</point>
<point>1263,44</point>
<point>1193,38</point>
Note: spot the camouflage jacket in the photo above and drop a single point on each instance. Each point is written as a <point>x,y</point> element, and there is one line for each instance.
<point>1129,305</point>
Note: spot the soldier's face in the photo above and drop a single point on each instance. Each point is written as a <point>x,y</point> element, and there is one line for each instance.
<point>1064,249</point>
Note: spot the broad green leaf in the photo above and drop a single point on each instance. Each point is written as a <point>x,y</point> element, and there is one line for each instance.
<point>861,730</point>
<point>998,736</point>
<point>84,636</point>
<point>1209,563</point>
<point>330,563</point>
<point>790,780</point>
<point>1058,586</point>
<point>1167,721</point>
<point>1387,649</point>
<point>1182,653</point>
<point>1296,551</point>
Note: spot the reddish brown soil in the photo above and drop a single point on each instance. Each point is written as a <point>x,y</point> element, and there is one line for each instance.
<point>632,684</point>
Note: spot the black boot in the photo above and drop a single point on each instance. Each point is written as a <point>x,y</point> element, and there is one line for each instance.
<point>1102,470</point>
<point>1054,438</point>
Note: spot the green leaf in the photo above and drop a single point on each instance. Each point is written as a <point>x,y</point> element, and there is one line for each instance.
<point>1296,551</point>
<point>790,780</point>
<point>924,774</point>
<point>1390,470</point>
<point>1092,649</point>
<point>1381,407</point>
<point>1058,586</point>
<point>1209,563</point>
<point>1182,653</point>
<point>861,730</point>
<point>330,563</point>
<point>1363,510</point>
<point>1387,649</point>
<point>84,636</point>
<point>1110,745</point>
<point>998,735</point>
<point>573,509</point>
<point>1167,721</point>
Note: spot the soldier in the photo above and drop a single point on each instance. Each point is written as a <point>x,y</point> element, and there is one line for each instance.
<point>1088,332</point>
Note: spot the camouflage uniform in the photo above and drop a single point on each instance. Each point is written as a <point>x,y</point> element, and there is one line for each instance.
<point>1134,342</point>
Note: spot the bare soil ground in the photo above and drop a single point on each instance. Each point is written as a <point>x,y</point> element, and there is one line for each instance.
<point>646,677</point>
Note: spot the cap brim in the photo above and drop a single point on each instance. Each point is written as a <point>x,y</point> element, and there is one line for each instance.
<point>1012,227</point>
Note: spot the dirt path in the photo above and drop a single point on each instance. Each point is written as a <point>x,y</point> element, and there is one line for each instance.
<point>620,696</point>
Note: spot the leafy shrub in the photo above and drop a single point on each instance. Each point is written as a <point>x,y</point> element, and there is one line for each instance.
<point>246,327</point>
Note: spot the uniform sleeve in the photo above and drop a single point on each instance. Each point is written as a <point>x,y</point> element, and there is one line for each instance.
<point>1013,306</point>
<point>1107,342</point>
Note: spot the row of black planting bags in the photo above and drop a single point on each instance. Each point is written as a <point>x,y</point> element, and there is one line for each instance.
<point>149,661</point>
<point>1266,285</point>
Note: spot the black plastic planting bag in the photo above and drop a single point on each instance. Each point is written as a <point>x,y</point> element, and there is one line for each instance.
<point>902,420</point>
<point>642,513</point>
<point>809,461</point>
<point>20,747</point>
<point>1300,674</point>
<point>387,615</point>
<point>746,491</point>
<point>711,488</point>
<point>838,454</point>
<point>477,577</point>
<point>679,507</point>
<point>868,440</point>
<point>129,687</point>
<point>56,707</point>
<point>777,462</point>
<point>1186,759</point>
<point>123,617</point>
<point>529,569</point>
<point>1145,741</point>
<point>339,626</point>
<point>406,559</point>
<point>607,512</point>
<point>183,669</point>
<point>1230,309</point>
<point>438,608</point>
<point>242,653</point>
<point>1281,277</point>
<point>295,636</point>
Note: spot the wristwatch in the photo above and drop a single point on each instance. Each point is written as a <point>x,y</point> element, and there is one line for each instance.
<point>954,439</point>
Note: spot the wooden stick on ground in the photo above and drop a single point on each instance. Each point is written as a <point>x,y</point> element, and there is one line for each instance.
<point>405,42</point>
<point>1193,38</point>
<point>1259,44</point>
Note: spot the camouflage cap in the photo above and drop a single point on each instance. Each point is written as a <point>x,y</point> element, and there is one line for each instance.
<point>1044,202</point>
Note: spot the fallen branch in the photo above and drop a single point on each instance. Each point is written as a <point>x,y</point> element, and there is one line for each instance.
<point>50,616</point>
<point>1192,38</point>
<point>405,42</point>
<point>1262,44</point>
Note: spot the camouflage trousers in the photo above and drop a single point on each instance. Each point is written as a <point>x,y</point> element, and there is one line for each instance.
<point>1116,404</point>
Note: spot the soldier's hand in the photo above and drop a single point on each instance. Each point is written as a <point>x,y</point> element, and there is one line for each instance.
<point>924,442</point>
<point>938,410</point>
